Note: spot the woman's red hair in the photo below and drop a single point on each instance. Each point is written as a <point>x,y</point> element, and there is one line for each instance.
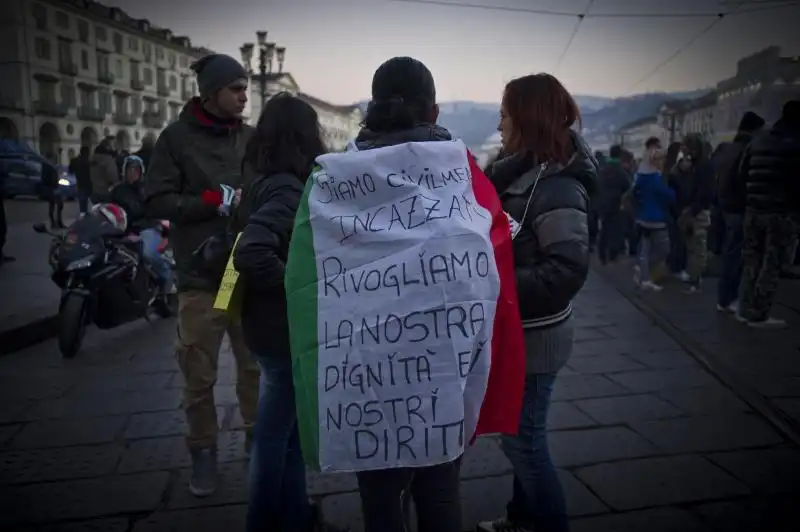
<point>541,112</point>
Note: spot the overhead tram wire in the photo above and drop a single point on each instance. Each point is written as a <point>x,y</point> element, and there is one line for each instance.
<point>574,34</point>
<point>758,6</point>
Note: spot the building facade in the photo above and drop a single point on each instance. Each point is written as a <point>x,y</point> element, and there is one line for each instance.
<point>340,123</point>
<point>75,71</point>
<point>633,136</point>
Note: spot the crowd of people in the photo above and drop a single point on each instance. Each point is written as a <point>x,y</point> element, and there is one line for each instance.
<point>740,201</point>
<point>215,177</point>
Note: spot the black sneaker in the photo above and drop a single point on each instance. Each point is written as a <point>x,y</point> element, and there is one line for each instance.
<point>204,472</point>
<point>502,525</point>
<point>320,525</point>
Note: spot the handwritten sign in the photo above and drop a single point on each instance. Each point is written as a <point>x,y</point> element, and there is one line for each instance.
<point>406,288</point>
<point>228,285</point>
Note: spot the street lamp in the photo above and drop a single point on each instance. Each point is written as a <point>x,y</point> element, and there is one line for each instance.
<point>266,52</point>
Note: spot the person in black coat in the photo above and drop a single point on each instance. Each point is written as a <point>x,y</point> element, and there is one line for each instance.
<point>282,151</point>
<point>79,167</point>
<point>55,202</point>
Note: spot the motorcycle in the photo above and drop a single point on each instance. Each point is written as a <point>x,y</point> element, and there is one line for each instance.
<point>103,278</point>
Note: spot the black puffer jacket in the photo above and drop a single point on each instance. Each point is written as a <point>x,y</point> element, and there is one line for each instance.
<point>731,187</point>
<point>771,169</point>
<point>551,250</point>
<point>260,258</point>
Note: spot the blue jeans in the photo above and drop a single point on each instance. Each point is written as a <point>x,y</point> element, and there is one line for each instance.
<point>278,496</point>
<point>150,241</point>
<point>728,287</point>
<point>538,499</point>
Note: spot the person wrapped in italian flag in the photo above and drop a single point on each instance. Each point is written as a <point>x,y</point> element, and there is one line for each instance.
<point>405,333</point>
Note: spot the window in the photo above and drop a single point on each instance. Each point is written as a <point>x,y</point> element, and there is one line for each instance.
<point>148,76</point>
<point>171,58</point>
<point>68,94</point>
<point>118,43</point>
<point>100,33</point>
<point>120,70</point>
<point>147,51</point>
<point>103,66</point>
<point>62,20</point>
<point>136,105</point>
<point>184,61</point>
<point>133,44</point>
<point>84,60</point>
<point>105,101</point>
<point>160,53</point>
<point>42,48</point>
<point>135,70</point>
<point>47,91</point>
<point>173,83</point>
<point>86,98</point>
<point>65,53</point>
<point>39,14</point>
<point>83,31</point>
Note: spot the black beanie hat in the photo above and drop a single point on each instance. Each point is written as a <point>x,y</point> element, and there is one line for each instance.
<point>406,78</point>
<point>216,71</point>
<point>751,122</point>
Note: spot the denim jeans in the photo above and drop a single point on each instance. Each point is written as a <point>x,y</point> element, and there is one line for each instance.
<point>435,490</point>
<point>677,258</point>
<point>538,499</point>
<point>278,496</point>
<point>611,240</point>
<point>150,241</point>
<point>653,249</point>
<point>728,287</point>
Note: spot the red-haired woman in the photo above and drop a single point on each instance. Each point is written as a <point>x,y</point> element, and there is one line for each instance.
<point>544,181</point>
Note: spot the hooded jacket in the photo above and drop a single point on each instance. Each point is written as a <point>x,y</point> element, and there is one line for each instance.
<point>731,186</point>
<point>771,171</point>
<point>103,171</point>
<point>551,250</point>
<point>192,155</point>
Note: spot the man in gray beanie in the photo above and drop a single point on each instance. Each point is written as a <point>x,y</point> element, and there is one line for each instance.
<point>194,180</point>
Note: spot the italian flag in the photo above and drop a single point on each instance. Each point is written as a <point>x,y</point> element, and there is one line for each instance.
<point>405,333</point>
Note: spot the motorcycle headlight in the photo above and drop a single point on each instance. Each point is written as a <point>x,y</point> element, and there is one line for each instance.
<point>64,182</point>
<point>79,264</point>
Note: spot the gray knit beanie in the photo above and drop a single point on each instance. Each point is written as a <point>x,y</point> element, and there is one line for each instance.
<point>216,71</point>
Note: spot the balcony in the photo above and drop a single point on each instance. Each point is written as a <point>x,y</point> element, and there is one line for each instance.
<point>153,119</point>
<point>68,67</point>
<point>137,84</point>
<point>124,118</point>
<point>106,77</point>
<point>91,113</point>
<point>163,89</point>
<point>50,108</point>
<point>11,104</point>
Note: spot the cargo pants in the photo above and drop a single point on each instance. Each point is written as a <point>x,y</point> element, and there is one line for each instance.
<point>696,231</point>
<point>201,329</point>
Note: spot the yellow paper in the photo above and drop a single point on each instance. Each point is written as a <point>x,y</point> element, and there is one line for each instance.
<point>228,284</point>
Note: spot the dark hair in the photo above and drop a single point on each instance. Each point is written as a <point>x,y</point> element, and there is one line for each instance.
<point>287,138</point>
<point>791,112</point>
<point>750,122</point>
<point>615,152</point>
<point>626,156</point>
<point>403,93</point>
<point>652,142</point>
<point>541,113</point>
<point>673,150</point>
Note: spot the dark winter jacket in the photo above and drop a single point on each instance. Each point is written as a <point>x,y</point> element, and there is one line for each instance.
<point>551,250</point>
<point>260,258</point>
<point>130,196</point>
<point>193,155</point>
<point>612,184</point>
<point>771,171</point>
<point>80,168</point>
<point>731,187</point>
<point>680,182</point>
<point>701,195</point>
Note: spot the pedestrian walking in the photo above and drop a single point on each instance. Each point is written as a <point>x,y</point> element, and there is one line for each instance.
<point>680,181</point>
<point>613,183</point>
<point>80,167</point>
<point>55,201</point>
<point>545,183</point>
<point>195,168</point>
<point>770,168</point>
<point>732,194</point>
<point>282,151</point>
<point>696,218</point>
<point>103,170</point>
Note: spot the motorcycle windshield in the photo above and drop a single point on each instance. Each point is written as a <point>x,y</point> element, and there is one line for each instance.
<point>85,239</point>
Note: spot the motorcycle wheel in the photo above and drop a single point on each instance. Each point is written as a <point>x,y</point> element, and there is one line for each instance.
<point>72,323</point>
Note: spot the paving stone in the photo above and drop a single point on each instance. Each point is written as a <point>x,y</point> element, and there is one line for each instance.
<point>564,415</point>
<point>768,515</point>
<point>230,518</point>
<point>62,432</point>
<point>154,424</point>
<point>112,403</point>
<point>618,410</point>
<point>766,471</point>
<point>153,364</point>
<point>344,509</point>
<point>7,432</point>
<point>226,375</point>
<point>484,459</point>
<point>656,380</point>
<point>225,395</point>
<point>668,359</point>
<point>33,387</point>
<point>571,448</point>
<point>13,411</point>
<point>711,433</point>
<point>642,483</point>
<point>232,488</point>
<point>604,364</point>
<point>655,520</point>
<point>586,334</point>
<point>319,484</point>
<point>708,400</point>
<point>153,454</point>
<point>790,407</point>
<point>586,386</point>
<point>82,499</point>
<point>95,525</point>
<point>21,467</point>
<point>120,383</point>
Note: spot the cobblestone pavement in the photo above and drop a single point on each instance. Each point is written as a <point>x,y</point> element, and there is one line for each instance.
<point>646,440</point>
<point>763,365</point>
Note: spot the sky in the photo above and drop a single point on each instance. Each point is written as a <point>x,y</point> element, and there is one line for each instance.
<point>334,46</point>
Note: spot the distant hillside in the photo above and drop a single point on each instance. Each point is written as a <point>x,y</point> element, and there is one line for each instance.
<point>473,122</point>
